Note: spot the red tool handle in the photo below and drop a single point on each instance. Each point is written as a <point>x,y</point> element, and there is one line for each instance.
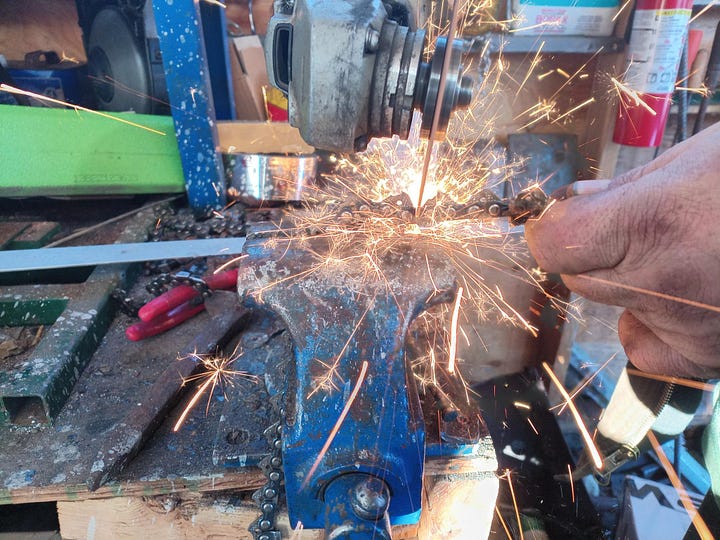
<point>183,293</point>
<point>164,322</point>
<point>161,305</point>
<point>223,280</point>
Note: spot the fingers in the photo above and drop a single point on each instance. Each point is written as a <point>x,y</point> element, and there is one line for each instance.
<point>649,353</point>
<point>582,233</point>
<point>667,157</point>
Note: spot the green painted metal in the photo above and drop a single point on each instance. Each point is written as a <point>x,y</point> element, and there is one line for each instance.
<point>39,390</point>
<point>35,236</point>
<point>62,152</point>
<point>27,310</point>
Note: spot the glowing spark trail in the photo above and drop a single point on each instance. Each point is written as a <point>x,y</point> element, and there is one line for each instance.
<point>13,90</point>
<point>515,505</point>
<point>191,404</point>
<point>336,427</point>
<point>650,292</point>
<point>696,518</point>
<point>218,374</point>
<point>584,384</point>
<point>454,331</point>
<point>502,521</point>
<point>705,387</point>
<point>456,10</point>
<point>636,97</point>
<point>589,443</point>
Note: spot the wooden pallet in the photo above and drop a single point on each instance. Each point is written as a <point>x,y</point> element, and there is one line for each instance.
<point>459,496</point>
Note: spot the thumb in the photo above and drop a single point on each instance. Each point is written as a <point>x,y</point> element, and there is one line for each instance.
<point>582,233</point>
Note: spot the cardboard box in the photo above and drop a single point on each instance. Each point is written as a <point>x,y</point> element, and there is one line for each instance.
<point>564,17</point>
<point>249,76</point>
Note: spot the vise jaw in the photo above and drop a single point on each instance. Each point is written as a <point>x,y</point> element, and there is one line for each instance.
<point>342,313</point>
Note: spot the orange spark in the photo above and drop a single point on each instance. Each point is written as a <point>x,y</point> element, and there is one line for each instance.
<point>705,387</point>
<point>229,263</point>
<point>703,10</point>
<point>340,420</point>
<point>502,521</point>
<point>13,90</point>
<point>696,518</point>
<point>454,330</point>
<point>626,4</point>
<point>650,292</point>
<point>572,482</point>
<point>533,64</point>
<point>584,384</point>
<point>589,443</point>
<point>574,109</point>
<point>191,404</point>
<point>217,372</point>
<point>636,97</point>
<point>515,505</point>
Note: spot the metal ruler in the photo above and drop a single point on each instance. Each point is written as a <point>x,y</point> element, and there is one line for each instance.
<point>67,257</point>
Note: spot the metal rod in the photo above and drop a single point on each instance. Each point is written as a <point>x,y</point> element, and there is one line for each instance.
<point>68,257</point>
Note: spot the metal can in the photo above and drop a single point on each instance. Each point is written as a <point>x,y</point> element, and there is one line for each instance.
<point>265,179</point>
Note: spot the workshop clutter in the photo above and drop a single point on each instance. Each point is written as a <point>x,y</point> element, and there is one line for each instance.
<point>564,17</point>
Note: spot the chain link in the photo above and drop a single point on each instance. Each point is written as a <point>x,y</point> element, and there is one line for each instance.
<point>268,496</point>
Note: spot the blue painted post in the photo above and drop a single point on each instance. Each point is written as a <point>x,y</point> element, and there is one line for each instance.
<point>188,82</point>
<point>217,45</point>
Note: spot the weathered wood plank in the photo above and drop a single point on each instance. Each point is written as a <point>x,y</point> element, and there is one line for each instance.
<point>165,518</point>
<point>247,480</point>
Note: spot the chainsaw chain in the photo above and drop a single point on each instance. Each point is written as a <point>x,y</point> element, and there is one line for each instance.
<point>485,204</point>
<point>184,225</point>
<point>191,277</point>
<point>267,497</point>
<point>126,303</point>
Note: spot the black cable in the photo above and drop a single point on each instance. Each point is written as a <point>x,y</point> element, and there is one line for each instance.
<point>681,131</point>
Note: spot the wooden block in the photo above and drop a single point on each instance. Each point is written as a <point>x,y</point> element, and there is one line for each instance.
<point>261,138</point>
<point>164,517</point>
<point>460,498</point>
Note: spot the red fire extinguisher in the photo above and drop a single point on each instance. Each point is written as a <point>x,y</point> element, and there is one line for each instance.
<point>658,35</point>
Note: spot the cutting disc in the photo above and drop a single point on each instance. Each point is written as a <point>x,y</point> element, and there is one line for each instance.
<point>117,64</point>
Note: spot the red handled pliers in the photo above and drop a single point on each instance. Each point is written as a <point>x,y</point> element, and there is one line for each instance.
<point>176,306</point>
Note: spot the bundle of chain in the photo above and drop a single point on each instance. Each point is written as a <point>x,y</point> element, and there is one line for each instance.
<point>191,277</point>
<point>268,497</point>
<point>484,205</point>
<point>182,225</point>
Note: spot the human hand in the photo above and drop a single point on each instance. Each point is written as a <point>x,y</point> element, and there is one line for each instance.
<point>654,228</point>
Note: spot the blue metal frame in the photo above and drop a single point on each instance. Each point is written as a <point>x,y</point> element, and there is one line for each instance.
<point>217,47</point>
<point>188,82</point>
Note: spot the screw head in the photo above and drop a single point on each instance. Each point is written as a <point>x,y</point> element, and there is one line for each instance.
<point>372,40</point>
<point>370,498</point>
